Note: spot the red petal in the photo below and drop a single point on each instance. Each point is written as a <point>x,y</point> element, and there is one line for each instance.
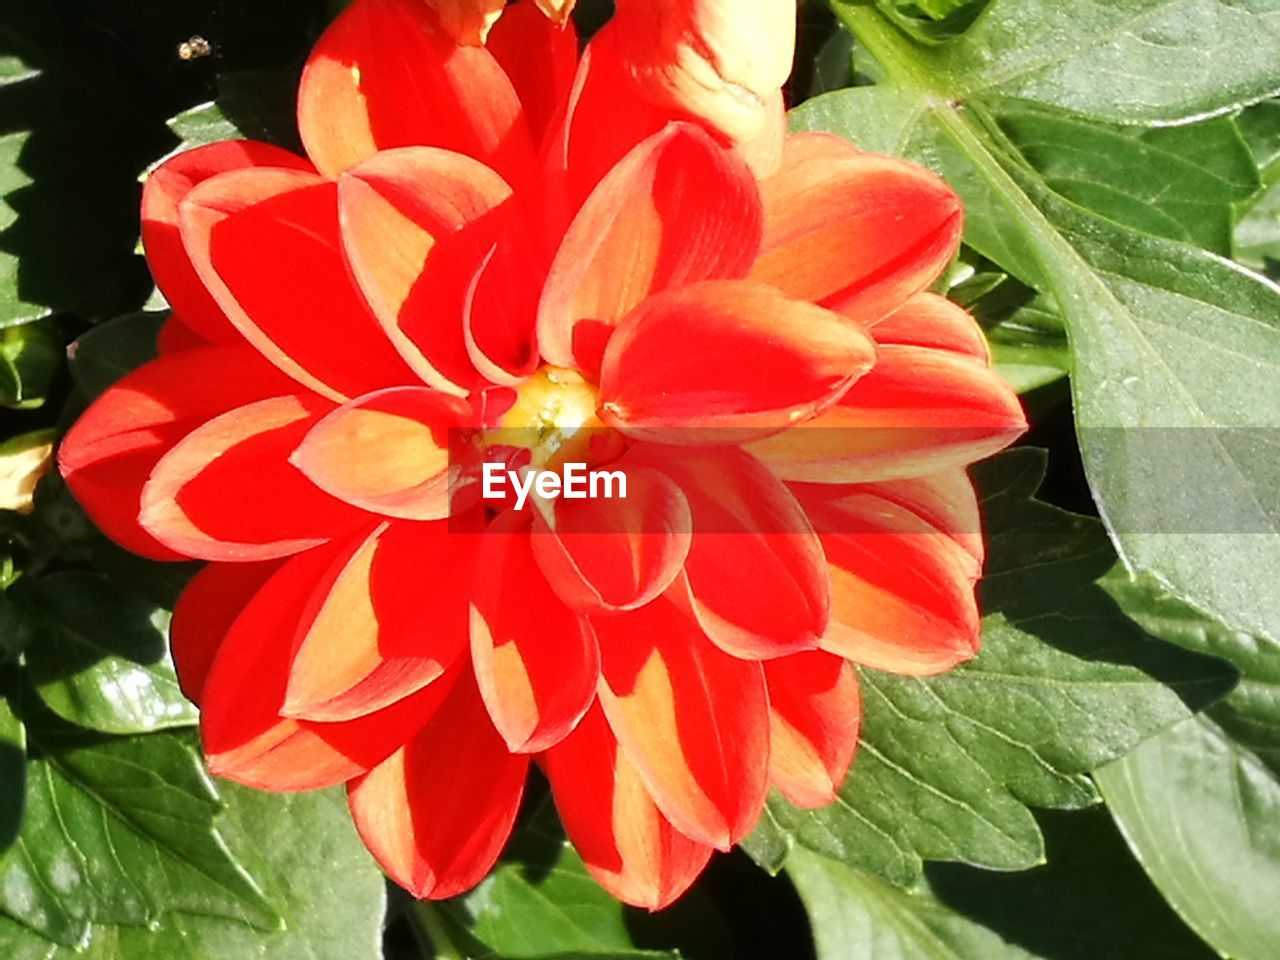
<point>928,320</point>
<point>920,411</point>
<point>676,209</point>
<point>902,595</point>
<point>228,492</point>
<point>606,555</point>
<point>725,362</point>
<point>540,56</point>
<point>244,735</point>
<point>388,618</point>
<point>815,713</point>
<point>630,848</point>
<point>171,266</point>
<point>693,721</point>
<point>437,813</point>
<point>501,304</point>
<point>266,244</point>
<point>386,74</point>
<point>857,231</point>
<point>756,572</point>
<point>109,453</point>
<point>388,452</point>
<point>536,661</point>
<point>175,336</point>
<point>401,211</point>
<point>946,501</point>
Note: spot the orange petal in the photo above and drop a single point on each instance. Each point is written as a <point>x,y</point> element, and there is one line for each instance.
<point>675,210</point>
<point>757,580</point>
<point>266,243</point>
<point>946,501</point>
<point>395,209</point>
<point>389,452</point>
<point>693,720</point>
<point>437,813</point>
<point>162,191</point>
<point>109,453</point>
<point>537,662</point>
<point>856,231</point>
<point>815,712</point>
<point>902,596</point>
<point>386,74</point>
<point>763,153</point>
<point>928,320</point>
<point>606,555</point>
<point>920,411</point>
<point>718,60</point>
<point>630,848</point>
<point>540,56</point>
<point>226,491</point>
<point>726,361</point>
<point>373,633</point>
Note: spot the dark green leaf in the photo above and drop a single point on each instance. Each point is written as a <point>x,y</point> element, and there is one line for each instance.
<point>1064,683</point>
<point>100,658</point>
<point>110,350</point>
<point>13,762</point>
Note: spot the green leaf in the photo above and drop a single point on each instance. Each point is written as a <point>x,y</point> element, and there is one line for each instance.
<point>100,657</point>
<point>110,350</point>
<point>1162,335</point>
<point>1064,683</point>
<point>253,105</point>
<point>13,763</point>
<point>333,896</point>
<point>31,354</point>
<point>119,831</point>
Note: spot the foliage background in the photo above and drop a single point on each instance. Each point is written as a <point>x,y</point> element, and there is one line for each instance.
<point>1103,781</point>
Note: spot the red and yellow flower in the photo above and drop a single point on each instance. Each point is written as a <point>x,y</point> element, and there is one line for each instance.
<point>508,251</point>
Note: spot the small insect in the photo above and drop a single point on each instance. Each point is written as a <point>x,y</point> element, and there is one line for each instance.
<point>195,48</point>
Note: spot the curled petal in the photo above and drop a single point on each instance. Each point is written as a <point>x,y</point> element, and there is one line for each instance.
<point>108,455</point>
<point>902,596</point>
<point>717,60</point>
<point>404,216</point>
<point>627,844</point>
<point>386,74</point>
<point>677,209</point>
<point>170,264</point>
<point>946,501</point>
<point>928,320</point>
<point>693,720</point>
<point>227,491</point>
<point>538,49</point>
<point>536,661</point>
<point>856,231</point>
<point>763,152</point>
<point>387,618</point>
<point>756,577</point>
<point>266,243</point>
<point>437,813</point>
<point>815,711</point>
<point>605,555</point>
<point>389,452</point>
<point>919,412</point>
<point>500,306</point>
<point>725,362</point>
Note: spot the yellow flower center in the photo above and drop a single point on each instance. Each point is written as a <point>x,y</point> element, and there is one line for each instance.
<point>554,417</point>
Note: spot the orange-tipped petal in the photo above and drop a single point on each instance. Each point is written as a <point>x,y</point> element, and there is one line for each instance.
<point>718,60</point>
<point>387,619</point>
<point>856,231</point>
<point>389,452</point>
<point>162,191</point>
<point>726,362</point>
<point>763,153</point>
<point>815,712</point>
<point>536,661</point>
<point>946,501</point>
<point>244,734</point>
<point>630,848</point>
<point>266,243</point>
<point>928,320</point>
<point>902,596</point>
<point>605,555</point>
<point>675,210</point>
<point>437,813</point>
<point>920,411</point>
<point>757,579</point>
<point>693,720</point>
<point>401,211</point>
<point>538,49</point>
<point>227,491</point>
<point>468,21</point>
<point>500,307</point>
<point>108,455</point>
<point>386,74</point>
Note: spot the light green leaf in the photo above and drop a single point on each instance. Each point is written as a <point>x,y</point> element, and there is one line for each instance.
<point>948,765</point>
<point>31,354</point>
<point>100,656</point>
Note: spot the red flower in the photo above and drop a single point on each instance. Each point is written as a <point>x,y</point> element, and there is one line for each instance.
<point>490,254</point>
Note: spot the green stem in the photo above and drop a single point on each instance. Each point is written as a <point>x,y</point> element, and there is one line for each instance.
<point>430,922</point>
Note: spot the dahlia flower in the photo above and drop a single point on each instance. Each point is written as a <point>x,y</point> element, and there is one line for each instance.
<point>510,253</point>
